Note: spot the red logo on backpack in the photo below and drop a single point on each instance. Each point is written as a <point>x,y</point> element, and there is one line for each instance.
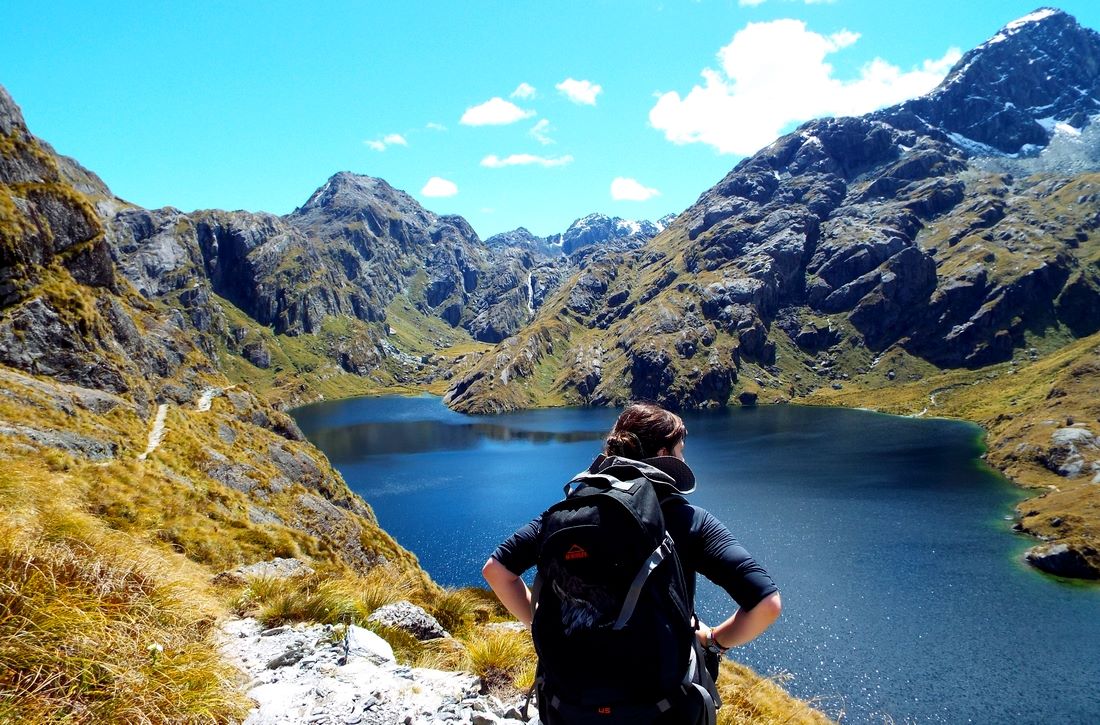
<point>575,552</point>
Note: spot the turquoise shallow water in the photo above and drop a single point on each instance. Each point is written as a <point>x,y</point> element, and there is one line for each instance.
<point>904,594</point>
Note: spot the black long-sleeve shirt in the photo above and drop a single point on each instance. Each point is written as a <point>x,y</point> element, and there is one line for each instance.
<point>703,543</point>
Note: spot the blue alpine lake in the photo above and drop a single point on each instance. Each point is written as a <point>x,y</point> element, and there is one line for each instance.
<point>905,596</point>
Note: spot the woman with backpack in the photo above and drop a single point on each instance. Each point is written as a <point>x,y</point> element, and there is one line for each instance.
<point>611,610</point>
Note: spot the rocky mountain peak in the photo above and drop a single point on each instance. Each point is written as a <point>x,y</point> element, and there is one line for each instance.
<point>598,228</point>
<point>1008,94</point>
<point>347,195</point>
<point>521,237</point>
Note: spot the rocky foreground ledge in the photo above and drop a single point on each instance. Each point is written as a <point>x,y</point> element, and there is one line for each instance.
<point>322,674</point>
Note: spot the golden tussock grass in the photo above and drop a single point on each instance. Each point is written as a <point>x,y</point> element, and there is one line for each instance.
<point>457,610</point>
<point>751,699</point>
<point>447,653</point>
<point>504,660</point>
<point>328,597</point>
<point>96,626</point>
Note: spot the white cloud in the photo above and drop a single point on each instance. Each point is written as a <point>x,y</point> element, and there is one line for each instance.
<point>624,189</point>
<point>390,139</point>
<point>540,132</point>
<point>746,103</point>
<point>583,92</point>
<point>435,126</point>
<point>493,161</point>
<point>437,186</point>
<point>750,3</point>
<point>523,91</point>
<point>494,112</point>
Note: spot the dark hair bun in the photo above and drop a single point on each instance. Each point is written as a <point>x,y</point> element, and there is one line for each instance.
<point>624,444</point>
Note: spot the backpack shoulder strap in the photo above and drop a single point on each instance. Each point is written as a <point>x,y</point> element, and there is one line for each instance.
<point>606,480</point>
<point>635,592</point>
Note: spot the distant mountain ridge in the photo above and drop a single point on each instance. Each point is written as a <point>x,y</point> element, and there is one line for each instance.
<point>591,230</point>
<point>355,249</point>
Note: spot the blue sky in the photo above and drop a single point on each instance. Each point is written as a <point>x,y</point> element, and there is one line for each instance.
<point>630,108</point>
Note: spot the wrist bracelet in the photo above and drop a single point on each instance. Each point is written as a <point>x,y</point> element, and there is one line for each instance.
<point>713,645</point>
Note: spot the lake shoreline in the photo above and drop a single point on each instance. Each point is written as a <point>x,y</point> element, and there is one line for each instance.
<point>1081,552</point>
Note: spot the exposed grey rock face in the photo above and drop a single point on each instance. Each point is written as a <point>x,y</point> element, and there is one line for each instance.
<point>379,237</point>
<point>827,216</point>
<point>323,519</point>
<point>509,295</point>
<point>66,398</point>
<point>81,445</point>
<point>239,476</point>
<point>1071,452</point>
<point>295,465</point>
<point>277,568</point>
<point>1061,560</point>
<point>11,118</point>
<point>56,224</point>
<point>357,680</point>
<point>993,98</point>
<point>410,618</point>
<point>523,240</point>
<point>600,229</point>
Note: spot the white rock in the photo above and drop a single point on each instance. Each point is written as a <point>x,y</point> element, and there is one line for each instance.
<point>364,643</point>
<point>370,689</point>
<point>1076,436</point>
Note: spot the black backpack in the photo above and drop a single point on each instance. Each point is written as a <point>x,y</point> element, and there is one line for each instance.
<point>613,625</point>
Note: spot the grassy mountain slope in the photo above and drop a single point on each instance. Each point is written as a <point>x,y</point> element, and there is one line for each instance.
<point>132,470</point>
<point>110,533</point>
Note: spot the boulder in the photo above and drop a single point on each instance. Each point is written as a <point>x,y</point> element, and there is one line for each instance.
<point>257,354</point>
<point>1062,560</point>
<point>1066,453</point>
<point>410,618</point>
<point>364,643</point>
<point>277,568</point>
